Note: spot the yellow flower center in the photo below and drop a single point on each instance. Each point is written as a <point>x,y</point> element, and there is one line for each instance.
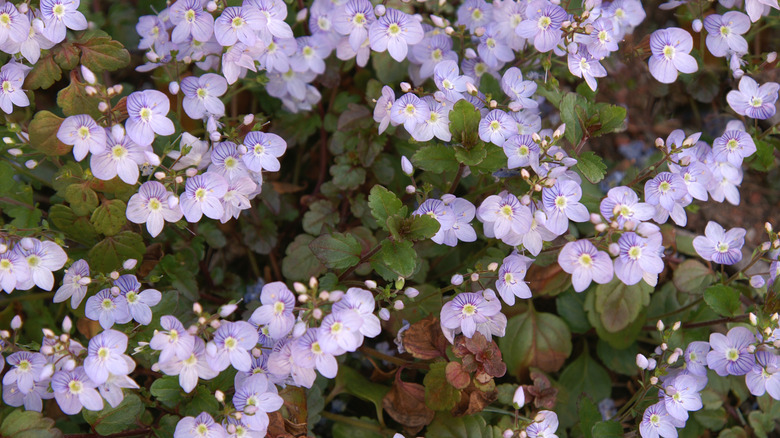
<point>189,15</point>
<point>200,194</point>
<point>561,202</point>
<point>103,352</point>
<point>118,152</point>
<point>278,308</point>
<point>585,260</point>
<point>145,114</point>
<point>231,343</point>
<point>394,30</point>
<point>544,22</point>
<point>83,132</point>
<point>359,19</point>
<point>24,365</point>
<point>33,261</point>
<point>132,297</point>
<point>75,386</point>
<point>669,52</point>
<point>58,10</point>
<point>469,309</point>
<point>506,211</point>
<point>5,19</point>
<point>154,204</point>
<point>336,328</point>
<point>732,144</point>
<point>107,304</point>
<point>635,252</point>
<point>732,354</point>
<point>237,22</point>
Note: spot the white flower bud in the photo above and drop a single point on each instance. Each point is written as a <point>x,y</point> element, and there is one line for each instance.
<point>336,295</point>
<point>211,6</point>
<point>23,8</point>
<point>493,267</point>
<point>257,352</point>
<point>673,358</point>
<point>753,319</point>
<point>438,21</point>
<point>398,305</point>
<point>654,380</point>
<point>771,57</point>
<point>5,334</point>
<point>129,264</point>
<point>317,313</point>
<point>103,107</point>
<point>525,174</point>
<point>227,310</point>
<point>697,25</point>
<point>641,361</point>
<point>47,350</point>
<point>768,227</point>
<point>411,292</point>
<point>384,314</point>
<point>197,308</point>
<point>565,24</point>
<point>173,201</point>
<point>31,164</point>
<point>301,16</point>
<point>493,103</point>
<point>324,295</point>
<point>48,369</point>
<point>406,87</point>
<point>614,248</point>
<point>114,275</point>
<point>515,106</point>
<point>751,349</point>
<point>738,73</point>
<point>173,87</point>
<point>601,228</point>
<point>67,324</point>
<point>478,32</point>
<point>299,329</point>
<point>313,283</point>
<point>16,322</point>
<point>676,326</point>
<point>299,287</point>
<point>84,281</point>
<point>449,30</point>
<point>518,399</point>
<point>215,323</point>
<point>470,53</point>
<point>525,200</point>
<point>371,284</point>
<point>201,321</point>
<point>474,276</point>
<point>410,189</point>
<point>303,298</point>
<point>190,172</point>
<point>471,89</point>
<point>91,91</point>
<point>559,132</point>
<point>219,395</point>
<point>380,10</point>
<point>15,152</point>
<point>118,88</point>
<point>231,429</point>
<point>664,346</point>
<point>457,279</point>
<point>215,136</point>
<point>250,409</point>
<point>757,281</point>
<point>88,76</point>
<point>765,246</point>
<point>406,166</point>
<point>774,316</point>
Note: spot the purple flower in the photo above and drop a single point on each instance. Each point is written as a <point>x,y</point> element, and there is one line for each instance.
<point>25,369</point>
<point>361,302</point>
<point>226,161</point>
<point>462,230</point>
<point>754,101</point>
<point>725,33</point>
<point>437,124</point>
<point>42,259</point>
<point>474,14</point>
<point>561,203</point>
<point>395,32</point>
<point>12,77</point>
<point>202,195</point>
<point>447,77</point>
<point>720,246</point>
<point>146,115</point>
<point>639,257</point>
<point>308,352</point>
<point>517,89</point>
<point>310,55</point>
<point>84,134</point>
<point>190,19</point>
<point>353,19</point>
<point>756,8</point>
<point>622,205</point>
<point>431,51</point>
<point>60,14</point>
<point>276,310</point>
<point>231,345</point>
<point>765,375</point>
<point>696,176</point>
<point>118,156</point>
<point>238,24</point>
<point>542,24</point>
<point>74,390</point>
<point>33,400</point>
<point>520,151</point>
<point>340,332</point>
<point>585,263</point>
<point>682,395</point>
<point>201,95</point>
<point>601,42</point>
<point>666,190</point>
<point>107,308</point>
<point>283,366</point>
<point>188,366</point>
<point>583,65</point>
<point>696,357</point>
<point>138,303</point>
<point>174,341</point>
<point>733,146</point>
<point>111,390</point>
<point>656,422</point>
<point>256,392</point>
<point>671,48</point>
<point>202,426</point>
<point>383,108</point>
<point>409,110</point>
<point>13,24</point>
<point>237,197</point>
<point>504,214</point>
<point>152,31</point>
<point>545,424</point>
<point>72,286</point>
<point>466,311</point>
<point>730,355</point>
<point>439,211</point>
<point>496,127</point>
<point>493,49</point>
<point>106,354</point>
<point>510,283</point>
<point>263,151</point>
<point>150,206</point>
<point>13,270</point>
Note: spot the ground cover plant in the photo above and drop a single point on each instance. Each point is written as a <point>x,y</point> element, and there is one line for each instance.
<point>353,218</point>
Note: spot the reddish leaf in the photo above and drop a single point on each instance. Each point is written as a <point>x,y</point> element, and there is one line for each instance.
<point>425,340</point>
<point>43,75</point>
<point>406,404</point>
<point>473,400</point>
<point>457,376</point>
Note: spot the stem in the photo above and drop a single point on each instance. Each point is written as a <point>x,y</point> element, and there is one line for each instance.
<point>362,260</point>
<point>461,168</point>
<point>349,420</point>
<point>29,297</point>
<point>392,359</point>
<point>134,432</point>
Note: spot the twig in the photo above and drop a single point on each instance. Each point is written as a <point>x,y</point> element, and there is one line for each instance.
<point>134,432</point>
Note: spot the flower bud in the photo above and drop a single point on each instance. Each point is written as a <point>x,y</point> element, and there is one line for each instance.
<point>493,267</point>
<point>380,10</point>
<point>457,279</point>
<point>91,91</point>
<point>129,264</point>
<point>664,346</point>
<point>470,53</point>
<point>84,281</point>
<point>103,107</point>
<point>398,305</point>
<point>673,358</point>
<point>5,334</point>
<point>518,399</point>
<point>676,326</point>
<point>303,298</point>
<point>771,57</point>
<point>654,380</point>
<point>197,308</point>
<point>751,349</point>
<point>215,136</point>
<point>614,249</point>
<point>299,287</point>
<point>525,174</point>
<point>601,228</point>
<point>299,329</point>
<point>67,324</point>
<point>493,103</point>
<point>215,323</point>
<point>317,313</point>
<point>301,16</point>
<point>15,151</point>
<point>449,30</point>
<point>406,87</point>
<point>31,164</point>
<point>411,292</point>
<point>738,73</point>
<point>324,295</point>
<point>257,352</point>
<point>16,322</point>
<point>410,189</point>
<point>219,395</point>
<point>641,361</point>
<point>88,76</point>
<point>371,284</point>
<point>201,321</point>
<point>660,325</point>
<point>118,88</point>
<point>384,314</point>
<point>515,106</point>
<point>173,87</point>
<point>753,319</point>
<point>757,281</point>
<point>478,32</point>
<point>765,246</point>
<point>438,21</point>
<point>406,166</point>
<point>23,8</point>
<point>173,201</point>
<point>506,434</point>
<point>559,132</point>
<point>536,137</point>
<point>336,295</point>
<point>114,275</point>
<point>471,89</point>
<point>474,276</point>
<point>697,25</point>
<point>47,350</point>
<point>227,310</point>
<point>250,409</point>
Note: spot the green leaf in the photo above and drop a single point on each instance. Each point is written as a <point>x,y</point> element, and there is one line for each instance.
<point>715,419</point>
<point>28,424</point>
<point>347,177</point>
<point>398,257</point>
<point>471,426</point>
<point>44,74</point>
<point>619,304</point>
<point>203,401</point>
<point>622,361</point>
<point>570,307</point>
<point>167,426</point>
<point>111,252</point>
<point>344,430</point>
<point>584,376</point>
<point>337,250</point>
<point>436,158</point>
<point>299,263</point>
<point>74,100</point>
<point>723,299</point>
<point>611,119</point>
<point>43,134</point>
<point>78,228</point>
<point>573,109</point>
<point>101,53</point>
<point>473,156</point>
<point>464,123</point>
<point>589,415</point>
<point>534,339</point>
<point>421,227</point>
<point>167,391</point>
<point>383,204</point>
<point>591,166</point>
<point>215,238</point>
<point>356,384</point>
<point>607,429</point>
<point>494,160</point>
<point>109,218</point>
<point>619,340</point>
<point>320,214</point>
<point>82,199</point>
<point>66,55</point>
<point>440,395</point>
<point>692,276</point>
<point>114,420</point>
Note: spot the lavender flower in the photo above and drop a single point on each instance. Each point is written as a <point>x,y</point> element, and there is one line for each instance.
<point>601,42</point>
<point>542,24</point>
<point>74,390</point>
<point>656,422</point>
<point>201,95</point>
<point>310,55</point>
<point>188,366</point>
<point>765,375</point>
<point>107,308</point>
<point>510,283</point>
<point>585,263</point>
<point>42,259</point>
<point>439,211</point>
<point>353,19</point>
<point>237,198</point>
<point>231,345</point>
<point>263,151</point>
<point>583,65</point>
<point>150,206</point>
<point>202,195</point>
<point>13,270</point>
<point>520,150</point>
<point>545,424</point>
<point>33,400</point>
<point>409,110</point>
<point>696,176</point>
<point>340,332</point>
<point>202,426</point>
<point>276,310</point>
<point>25,369</point>
<point>255,393</point>
<point>84,134</point>
<point>118,156</point>
<point>561,203</point>
<point>274,12</point>
<point>696,357</point>
<point>733,146</point>
<point>756,8</point>
<point>60,14</point>
<point>504,214</point>
<point>106,354</point>
<point>730,355</point>
<point>308,352</point>
<point>496,127</point>
<point>13,24</point>
<point>639,258</point>
<point>671,48</point>
<point>138,303</point>
<point>493,49</point>
<point>174,341</point>
<point>437,124</point>
<point>395,32</point>
<point>283,366</point>
<point>725,33</point>
<point>431,51</point>
<point>519,90</point>
<point>72,286</point>
<point>447,77</point>
<point>622,205</point>
<point>237,24</point>
<point>383,108</point>
<point>226,161</point>
<point>461,229</point>
<point>190,20</point>
<point>666,189</point>
<point>146,115</point>
<point>754,101</point>
<point>466,311</point>
<point>361,302</point>
<point>720,246</point>
<point>681,396</point>
<point>111,389</point>
<point>474,14</point>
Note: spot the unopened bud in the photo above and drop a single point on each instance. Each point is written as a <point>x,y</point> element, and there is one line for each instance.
<point>103,106</point>
<point>457,279</point>
<point>697,25</point>
<point>215,136</point>
<point>48,333</point>
<point>336,295</point>
<point>478,32</point>
<point>197,308</point>
<point>601,228</point>
<point>257,352</point>
<point>303,298</point>
<point>559,132</point>
<point>525,174</point>
<point>757,281</point>
<point>673,358</point>
<point>31,164</point>
<point>406,166</point>
<point>768,227</point>
<point>474,276</point>
<point>566,23</point>
<point>47,350</point>
<point>771,57</point>
<point>525,200</point>
<point>471,89</point>
<point>114,275</point>
<point>371,284</point>
<point>67,324</point>
<point>641,361</point>
<point>118,88</point>
<point>595,218</point>
<point>751,349</point>
<point>227,310</point>
<point>211,6</point>
<point>653,380</point>
<point>299,287</point>
<point>129,264</point>
<point>493,103</point>
<point>301,16</point>
<point>23,8</point>
<point>406,87</point>
<point>215,323</point>
<point>15,152</point>
<point>299,329</point>
<point>16,322</point>
<point>324,295</point>
<point>614,248</point>
<point>449,30</point>
<point>536,137</point>
<point>753,319</point>
<point>91,91</point>
<point>48,369</point>
<point>398,305</point>
<point>664,346</point>
<point>173,87</point>
<point>738,73</point>
<point>84,281</point>
<point>411,292</point>
<point>507,433</point>
<point>438,21</point>
<point>317,313</point>
<point>676,326</point>
<point>173,201</point>
<point>384,314</point>
<point>313,283</point>
<point>219,395</point>
<point>380,10</point>
<point>492,267</point>
<point>518,399</point>
<point>410,189</point>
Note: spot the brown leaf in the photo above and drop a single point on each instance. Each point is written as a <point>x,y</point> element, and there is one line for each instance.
<point>547,280</point>
<point>473,400</point>
<point>406,404</point>
<point>425,340</point>
<point>541,392</point>
<point>457,376</point>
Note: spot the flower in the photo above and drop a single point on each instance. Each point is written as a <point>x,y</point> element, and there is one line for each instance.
<point>671,48</point>
<point>383,108</point>
<point>118,156</point>
<point>202,195</point>
<point>308,352</point>
<point>189,366</point>
<point>106,354</point>
<point>504,214</point>
<point>542,24</point>
<point>754,101</point>
<point>261,395</point>
<point>765,375</point>
<point>84,134</point>
<point>146,115</point>
<point>263,151</point>
<point>561,203</point>
<point>202,426</point>
<point>520,150</point>
<point>190,20</point>
<point>150,206</point>
<point>193,152</point>
<point>340,332</point>
<point>756,8</point>
<point>665,189</point>
<point>585,263</point>
<point>496,127</point>
<point>730,355</point>
<point>733,146</point>
<point>517,89</point>
<point>439,211</point>
<point>107,308</point>
<point>395,32</point>
<point>25,369</point>
<point>583,65</point>
<point>447,77</point>
<point>42,259</point>
<point>226,161</point>
<point>696,357</point>
<point>60,14</point>
<point>639,258</point>
<point>276,311</point>
<point>544,426</point>
<point>231,345</point>
<point>622,204</point>
<point>724,33</point>
<point>461,229</point>
<point>138,303</point>
<point>174,341</point>
<point>656,422</point>
<point>681,396</point>
<point>237,198</point>
<point>310,55</point>
<point>361,302</point>
<point>14,270</point>
<point>74,390</point>
<point>72,286</point>
<point>493,49</point>
<point>283,366</point>
<point>353,19</point>
<point>201,95</point>
<point>510,282</point>
<point>13,24</point>
<point>238,24</point>
<point>466,311</point>
<point>409,110</point>
<point>474,14</point>
<point>720,246</point>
